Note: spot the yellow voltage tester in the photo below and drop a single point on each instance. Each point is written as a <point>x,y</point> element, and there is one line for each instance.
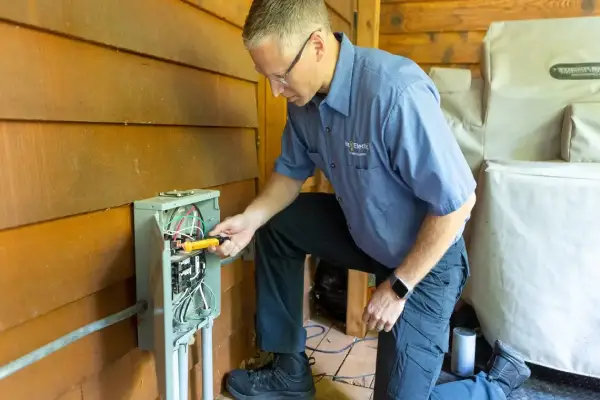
<point>203,243</point>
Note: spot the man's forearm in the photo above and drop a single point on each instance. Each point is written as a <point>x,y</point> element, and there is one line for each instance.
<point>279,192</point>
<point>434,239</point>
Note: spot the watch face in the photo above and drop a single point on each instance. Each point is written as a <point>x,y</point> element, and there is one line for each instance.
<point>400,289</point>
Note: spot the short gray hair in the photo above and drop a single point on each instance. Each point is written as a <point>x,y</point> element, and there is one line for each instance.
<point>289,22</point>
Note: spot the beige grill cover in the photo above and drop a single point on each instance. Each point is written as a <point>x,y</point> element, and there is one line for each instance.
<point>535,261</point>
<point>461,103</point>
<point>581,133</point>
<point>529,67</point>
<point>448,80</point>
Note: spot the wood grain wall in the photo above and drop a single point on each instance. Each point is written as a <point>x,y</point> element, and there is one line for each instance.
<point>449,32</point>
<point>103,103</point>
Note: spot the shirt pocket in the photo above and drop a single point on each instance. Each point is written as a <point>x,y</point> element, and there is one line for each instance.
<point>361,160</point>
<point>371,179</point>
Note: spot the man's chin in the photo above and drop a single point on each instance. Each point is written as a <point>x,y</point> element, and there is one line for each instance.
<point>296,100</point>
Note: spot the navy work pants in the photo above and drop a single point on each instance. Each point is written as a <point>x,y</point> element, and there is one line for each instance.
<point>410,356</point>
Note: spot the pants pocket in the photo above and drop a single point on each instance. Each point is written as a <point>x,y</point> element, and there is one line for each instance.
<point>418,374</point>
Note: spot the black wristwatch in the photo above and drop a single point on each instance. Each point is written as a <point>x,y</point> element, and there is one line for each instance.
<point>402,290</point>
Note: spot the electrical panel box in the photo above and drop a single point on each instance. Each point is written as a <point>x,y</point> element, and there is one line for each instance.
<point>182,289</point>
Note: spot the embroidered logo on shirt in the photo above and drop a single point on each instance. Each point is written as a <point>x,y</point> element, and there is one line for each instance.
<point>357,149</point>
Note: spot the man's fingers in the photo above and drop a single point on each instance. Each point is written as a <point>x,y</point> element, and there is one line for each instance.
<point>366,315</point>
<point>227,247</point>
<point>373,321</point>
<point>218,229</point>
<point>235,250</point>
<point>221,227</point>
<point>388,326</point>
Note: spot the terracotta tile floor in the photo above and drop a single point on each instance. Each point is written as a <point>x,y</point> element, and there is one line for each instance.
<point>343,359</point>
<point>349,365</point>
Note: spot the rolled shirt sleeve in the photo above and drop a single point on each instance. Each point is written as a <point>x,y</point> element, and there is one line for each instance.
<point>425,152</point>
<point>293,160</point>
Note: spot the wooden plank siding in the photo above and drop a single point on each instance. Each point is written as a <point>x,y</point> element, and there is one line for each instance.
<point>192,31</point>
<point>450,32</point>
<point>105,103</point>
<point>105,86</point>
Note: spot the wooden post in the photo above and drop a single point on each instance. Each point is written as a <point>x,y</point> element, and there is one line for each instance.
<point>367,35</point>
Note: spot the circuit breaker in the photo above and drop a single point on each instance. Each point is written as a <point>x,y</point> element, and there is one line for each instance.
<point>181,287</point>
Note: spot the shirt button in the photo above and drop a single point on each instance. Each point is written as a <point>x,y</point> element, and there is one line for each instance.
<point>339,199</point>
<point>327,130</point>
<point>332,165</point>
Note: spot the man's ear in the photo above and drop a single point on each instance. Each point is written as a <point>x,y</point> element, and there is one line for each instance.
<point>320,45</point>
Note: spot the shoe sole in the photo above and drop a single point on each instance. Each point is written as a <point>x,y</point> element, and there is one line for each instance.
<point>273,395</point>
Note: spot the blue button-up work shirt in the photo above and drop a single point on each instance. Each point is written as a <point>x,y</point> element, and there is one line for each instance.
<point>382,141</point>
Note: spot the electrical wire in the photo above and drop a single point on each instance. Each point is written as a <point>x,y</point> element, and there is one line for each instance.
<point>212,294</point>
<point>203,297</point>
<point>171,233</point>
<point>179,230</point>
<point>181,307</point>
<point>337,351</point>
<point>181,221</point>
<point>356,340</point>
<point>197,218</point>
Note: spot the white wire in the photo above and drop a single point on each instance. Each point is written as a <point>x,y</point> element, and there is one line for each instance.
<point>202,294</point>
<point>173,233</point>
<point>195,217</point>
<point>212,294</point>
<point>183,297</point>
<point>192,227</point>
<point>197,274</point>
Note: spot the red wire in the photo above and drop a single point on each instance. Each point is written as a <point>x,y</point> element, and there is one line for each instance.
<point>181,222</point>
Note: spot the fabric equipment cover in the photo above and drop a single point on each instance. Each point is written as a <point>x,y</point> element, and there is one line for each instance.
<point>535,261</point>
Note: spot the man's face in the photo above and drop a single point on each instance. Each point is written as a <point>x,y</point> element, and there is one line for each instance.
<point>295,75</point>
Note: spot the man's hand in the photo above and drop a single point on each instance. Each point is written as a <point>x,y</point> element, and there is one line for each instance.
<point>384,309</point>
<point>239,229</point>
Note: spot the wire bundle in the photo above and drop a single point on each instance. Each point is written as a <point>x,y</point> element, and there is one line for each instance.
<point>197,224</point>
<point>181,308</point>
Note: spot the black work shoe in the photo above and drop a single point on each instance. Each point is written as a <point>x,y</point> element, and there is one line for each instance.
<point>507,368</point>
<point>288,376</point>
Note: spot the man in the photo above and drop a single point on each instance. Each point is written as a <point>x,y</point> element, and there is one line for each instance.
<point>372,122</point>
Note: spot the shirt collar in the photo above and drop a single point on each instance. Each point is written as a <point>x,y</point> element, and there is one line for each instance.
<point>338,97</point>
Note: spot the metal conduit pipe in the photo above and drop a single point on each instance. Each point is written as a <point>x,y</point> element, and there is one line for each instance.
<point>66,340</point>
<point>207,361</point>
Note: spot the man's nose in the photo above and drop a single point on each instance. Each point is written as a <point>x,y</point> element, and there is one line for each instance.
<point>276,87</point>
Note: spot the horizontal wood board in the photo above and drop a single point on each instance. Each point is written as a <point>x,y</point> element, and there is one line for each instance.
<point>474,15</point>
<point>232,11</point>
<point>436,47</point>
<point>105,85</point>
<point>77,168</point>
<point>184,35</point>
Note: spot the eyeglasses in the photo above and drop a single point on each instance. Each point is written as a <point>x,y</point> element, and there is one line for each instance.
<point>282,79</point>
